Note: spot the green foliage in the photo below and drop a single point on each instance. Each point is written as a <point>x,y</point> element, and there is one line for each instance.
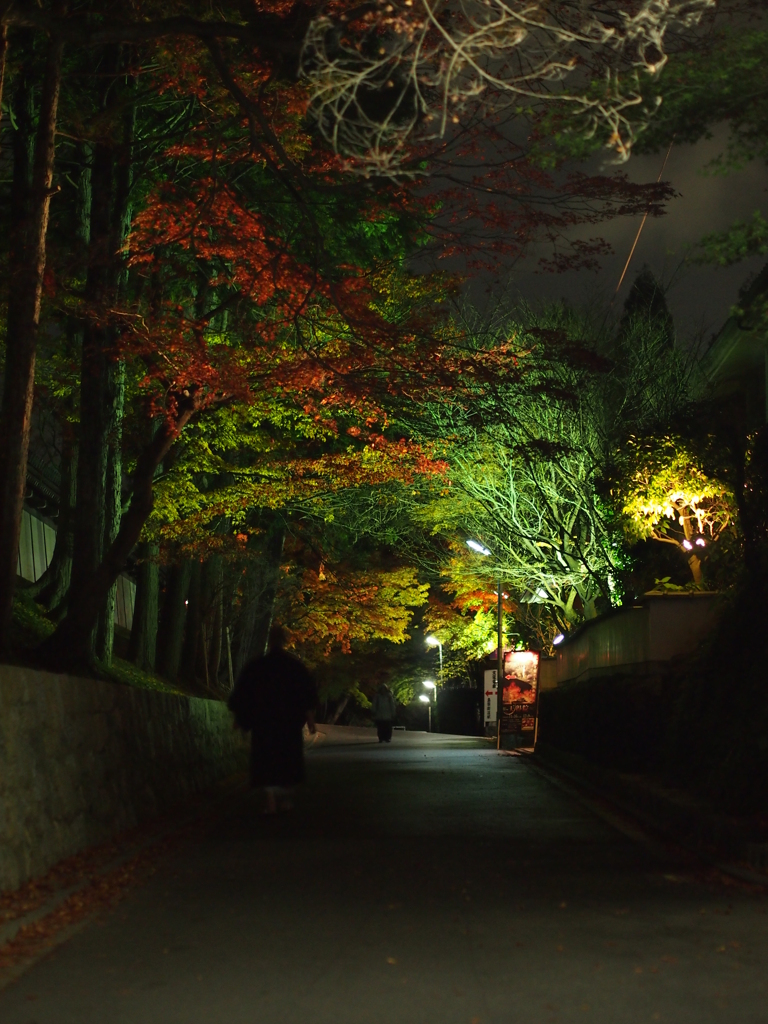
<point>528,465</point>
<point>668,492</point>
<point>121,671</point>
<point>712,78</point>
<point>30,623</point>
<point>722,78</point>
<point>739,242</point>
<point>327,607</point>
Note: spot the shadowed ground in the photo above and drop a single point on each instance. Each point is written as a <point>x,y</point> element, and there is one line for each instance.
<point>432,881</point>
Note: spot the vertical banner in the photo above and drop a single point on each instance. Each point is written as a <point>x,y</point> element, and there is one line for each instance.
<point>489,696</point>
<point>521,684</point>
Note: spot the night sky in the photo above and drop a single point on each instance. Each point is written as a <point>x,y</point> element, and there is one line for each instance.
<point>700,298</point>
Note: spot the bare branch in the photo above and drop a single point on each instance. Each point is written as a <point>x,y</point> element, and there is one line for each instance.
<point>399,76</point>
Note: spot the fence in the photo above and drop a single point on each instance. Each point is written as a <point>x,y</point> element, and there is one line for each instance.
<point>638,640</point>
<point>36,545</point>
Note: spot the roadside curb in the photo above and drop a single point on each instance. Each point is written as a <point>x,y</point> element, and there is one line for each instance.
<point>660,826</point>
<point>333,736</point>
<point>28,935</point>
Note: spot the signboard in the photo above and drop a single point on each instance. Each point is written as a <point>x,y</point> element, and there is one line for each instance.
<point>489,695</point>
<point>521,684</point>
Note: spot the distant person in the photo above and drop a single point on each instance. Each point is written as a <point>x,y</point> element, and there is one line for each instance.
<point>273,697</point>
<point>384,713</point>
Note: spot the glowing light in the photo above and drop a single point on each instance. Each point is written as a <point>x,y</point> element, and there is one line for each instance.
<point>687,545</point>
<point>701,542</point>
<point>424,698</point>
<point>429,684</point>
<point>541,593</point>
<point>559,638</point>
<point>481,549</point>
<point>432,641</point>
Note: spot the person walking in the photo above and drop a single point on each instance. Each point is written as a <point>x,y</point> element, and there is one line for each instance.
<point>384,713</point>
<point>272,699</point>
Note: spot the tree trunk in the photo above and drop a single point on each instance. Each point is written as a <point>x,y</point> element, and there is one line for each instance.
<point>121,222</point>
<point>50,590</point>
<point>27,267</point>
<point>68,647</point>
<point>188,670</point>
<point>3,58</point>
<point>102,374</point>
<point>143,646</point>
<point>114,400</point>
<point>694,564</point>
<point>213,590</point>
<point>54,586</point>
<point>95,372</point>
<point>257,615</point>
<point>339,709</point>
<point>171,638</point>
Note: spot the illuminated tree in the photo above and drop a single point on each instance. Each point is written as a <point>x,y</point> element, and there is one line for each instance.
<point>462,613</point>
<point>531,456</point>
<point>531,494</point>
<point>671,499</point>
<point>335,607</point>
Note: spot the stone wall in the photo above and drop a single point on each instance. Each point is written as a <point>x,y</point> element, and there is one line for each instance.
<point>81,760</point>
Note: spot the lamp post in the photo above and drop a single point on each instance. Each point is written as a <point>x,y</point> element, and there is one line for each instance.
<point>429,684</point>
<point>481,549</point>
<point>432,641</point>
<point>425,700</point>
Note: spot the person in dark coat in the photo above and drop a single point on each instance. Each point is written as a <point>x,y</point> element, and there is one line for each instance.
<point>384,712</point>
<point>273,697</point>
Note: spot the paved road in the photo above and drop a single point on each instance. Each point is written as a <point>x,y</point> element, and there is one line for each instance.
<point>430,882</point>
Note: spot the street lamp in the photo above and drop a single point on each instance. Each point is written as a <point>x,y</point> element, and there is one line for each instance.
<point>432,641</point>
<point>429,684</point>
<point>475,545</point>
<point>425,700</point>
<point>481,549</point>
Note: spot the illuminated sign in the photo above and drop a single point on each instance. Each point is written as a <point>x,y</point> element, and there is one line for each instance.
<point>489,695</point>
<point>521,687</point>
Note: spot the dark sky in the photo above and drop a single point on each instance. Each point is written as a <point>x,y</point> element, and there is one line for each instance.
<point>700,298</point>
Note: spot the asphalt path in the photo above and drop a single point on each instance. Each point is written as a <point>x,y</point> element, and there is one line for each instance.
<point>432,881</point>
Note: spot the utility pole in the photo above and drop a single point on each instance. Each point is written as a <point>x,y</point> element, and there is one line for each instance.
<point>499,666</point>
